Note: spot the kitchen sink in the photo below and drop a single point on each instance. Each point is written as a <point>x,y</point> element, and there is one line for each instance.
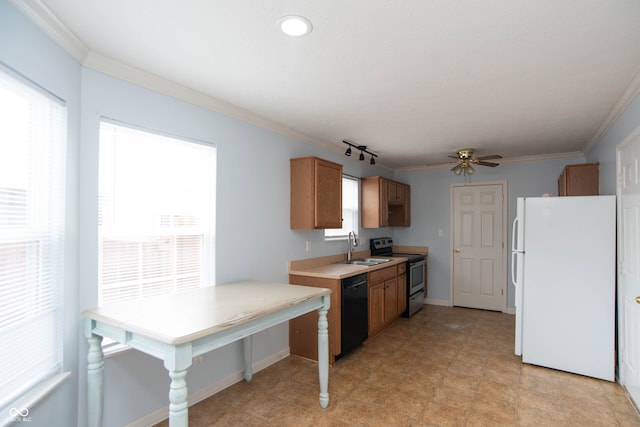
<point>369,262</point>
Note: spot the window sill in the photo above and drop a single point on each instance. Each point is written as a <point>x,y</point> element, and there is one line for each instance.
<point>24,404</point>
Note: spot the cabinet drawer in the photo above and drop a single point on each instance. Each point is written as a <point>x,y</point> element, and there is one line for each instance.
<point>382,275</point>
<point>402,268</point>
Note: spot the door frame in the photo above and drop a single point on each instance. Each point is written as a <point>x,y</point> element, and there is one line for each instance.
<point>621,325</point>
<point>505,236</point>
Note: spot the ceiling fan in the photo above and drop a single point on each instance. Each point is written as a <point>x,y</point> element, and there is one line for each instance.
<point>466,160</point>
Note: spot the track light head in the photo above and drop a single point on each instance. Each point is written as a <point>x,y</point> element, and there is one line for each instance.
<point>363,150</point>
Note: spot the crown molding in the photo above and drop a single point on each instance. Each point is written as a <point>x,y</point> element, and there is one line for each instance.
<point>631,91</point>
<point>42,16</point>
<point>523,159</point>
<point>170,88</point>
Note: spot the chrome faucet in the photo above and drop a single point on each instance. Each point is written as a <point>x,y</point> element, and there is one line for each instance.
<point>352,235</point>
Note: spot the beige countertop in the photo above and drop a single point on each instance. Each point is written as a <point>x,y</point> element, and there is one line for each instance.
<point>338,270</point>
<point>333,267</point>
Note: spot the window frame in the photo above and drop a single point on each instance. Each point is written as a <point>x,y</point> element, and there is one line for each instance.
<point>330,233</point>
<point>207,230</point>
<point>41,221</point>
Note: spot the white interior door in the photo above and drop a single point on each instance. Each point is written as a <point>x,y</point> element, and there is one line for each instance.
<point>628,154</point>
<point>478,276</point>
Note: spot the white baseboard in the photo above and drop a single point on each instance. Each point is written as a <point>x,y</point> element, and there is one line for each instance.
<point>162,414</point>
<point>432,301</point>
<point>511,311</point>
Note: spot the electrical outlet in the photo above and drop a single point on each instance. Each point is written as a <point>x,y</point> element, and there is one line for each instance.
<point>308,246</point>
<point>198,359</point>
<point>441,232</point>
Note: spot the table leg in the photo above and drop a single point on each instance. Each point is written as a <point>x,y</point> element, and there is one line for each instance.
<point>323,356</point>
<point>178,405</point>
<point>247,343</point>
<point>95,381</point>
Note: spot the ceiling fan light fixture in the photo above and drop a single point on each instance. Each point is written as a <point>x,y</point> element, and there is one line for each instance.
<point>295,26</point>
<point>457,169</point>
<point>469,170</point>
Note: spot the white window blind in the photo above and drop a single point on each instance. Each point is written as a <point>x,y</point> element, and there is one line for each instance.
<point>32,198</point>
<point>156,214</point>
<point>350,210</point>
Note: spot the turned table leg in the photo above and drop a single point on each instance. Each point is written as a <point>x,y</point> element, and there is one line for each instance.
<point>323,354</point>
<point>95,381</point>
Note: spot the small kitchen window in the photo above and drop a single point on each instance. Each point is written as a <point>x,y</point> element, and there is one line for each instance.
<point>350,209</point>
<point>156,213</point>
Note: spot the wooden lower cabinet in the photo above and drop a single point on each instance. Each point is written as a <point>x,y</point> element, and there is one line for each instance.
<point>383,299</point>
<point>376,308</point>
<point>402,293</point>
<point>303,330</point>
<point>387,302</point>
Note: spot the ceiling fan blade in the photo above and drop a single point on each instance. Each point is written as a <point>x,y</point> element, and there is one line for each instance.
<point>490,164</point>
<point>493,156</point>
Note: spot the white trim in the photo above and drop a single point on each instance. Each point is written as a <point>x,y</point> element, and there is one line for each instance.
<point>631,91</point>
<point>162,414</point>
<point>442,302</point>
<point>505,202</point>
<point>31,398</point>
<point>511,311</point>
<point>41,15</point>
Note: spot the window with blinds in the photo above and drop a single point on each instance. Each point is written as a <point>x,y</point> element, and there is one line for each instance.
<point>32,200</point>
<point>155,213</point>
<point>350,210</point>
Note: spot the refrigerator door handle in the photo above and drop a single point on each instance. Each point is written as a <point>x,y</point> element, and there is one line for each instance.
<point>514,236</point>
<point>514,257</point>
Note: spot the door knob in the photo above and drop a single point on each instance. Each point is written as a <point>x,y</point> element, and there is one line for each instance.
<point>457,250</point>
<point>638,299</point>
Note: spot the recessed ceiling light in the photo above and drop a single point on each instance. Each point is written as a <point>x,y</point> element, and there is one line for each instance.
<point>295,25</point>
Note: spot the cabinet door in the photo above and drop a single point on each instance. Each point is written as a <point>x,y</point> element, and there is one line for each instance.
<point>384,202</point>
<point>402,293</point>
<point>390,299</point>
<point>376,307</point>
<point>407,205</point>
<point>328,194</point>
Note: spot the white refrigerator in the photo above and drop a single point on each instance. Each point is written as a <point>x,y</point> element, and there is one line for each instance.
<point>563,269</point>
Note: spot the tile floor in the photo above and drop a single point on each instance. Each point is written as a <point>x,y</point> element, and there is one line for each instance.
<point>442,367</point>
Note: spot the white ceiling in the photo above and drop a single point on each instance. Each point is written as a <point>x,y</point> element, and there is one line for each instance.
<point>413,80</point>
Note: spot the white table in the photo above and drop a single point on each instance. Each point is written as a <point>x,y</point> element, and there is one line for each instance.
<point>176,328</point>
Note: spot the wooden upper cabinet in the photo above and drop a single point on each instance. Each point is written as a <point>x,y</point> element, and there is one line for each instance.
<point>385,203</point>
<point>579,180</point>
<point>316,194</point>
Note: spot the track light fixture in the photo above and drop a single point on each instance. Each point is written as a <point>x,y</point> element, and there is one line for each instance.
<point>363,149</point>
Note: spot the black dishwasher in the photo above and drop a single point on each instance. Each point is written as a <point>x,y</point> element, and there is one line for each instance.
<point>355,312</point>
